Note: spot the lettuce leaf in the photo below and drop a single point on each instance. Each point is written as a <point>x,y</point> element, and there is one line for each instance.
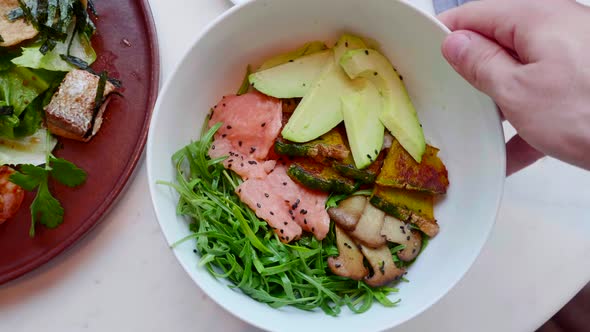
<point>25,90</point>
<point>80,48</point>
<point>27,150</point>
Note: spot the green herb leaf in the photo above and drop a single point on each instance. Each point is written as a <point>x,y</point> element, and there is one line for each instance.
<point>66,172</point>
<point>46,209</point>
<point>29,177</point>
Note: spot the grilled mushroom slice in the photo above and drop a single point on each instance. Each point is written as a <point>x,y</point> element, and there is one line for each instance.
<point>384,269</point>
<point>349,263</point>
<point>399,232</point>
<point>348,212</point>
<point>368,229</point>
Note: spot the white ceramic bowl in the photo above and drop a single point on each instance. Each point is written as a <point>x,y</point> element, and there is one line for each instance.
<point>456,118</point>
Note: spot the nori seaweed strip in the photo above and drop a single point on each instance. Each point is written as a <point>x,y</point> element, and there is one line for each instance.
<point>81,64</point>
<point>6,110</point>
<point>92,8</point>
<point>98,100</point>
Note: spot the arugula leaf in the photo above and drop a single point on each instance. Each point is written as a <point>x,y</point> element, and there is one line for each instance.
<point>66,172</point>
<point>334,199</point>
<point>245,83</point>
<point>46,209</point>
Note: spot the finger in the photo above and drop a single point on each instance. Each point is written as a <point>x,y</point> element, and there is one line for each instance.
<point>483,63</point>
<point>519,155</point>
<point>492,19</point>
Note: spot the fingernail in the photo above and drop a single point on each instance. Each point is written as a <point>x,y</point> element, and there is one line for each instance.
<point>454,47</point>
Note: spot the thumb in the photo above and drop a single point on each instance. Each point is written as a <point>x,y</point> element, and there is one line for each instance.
<point>482,62</point>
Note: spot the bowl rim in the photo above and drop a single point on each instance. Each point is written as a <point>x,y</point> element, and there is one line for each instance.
<point>159,215</point>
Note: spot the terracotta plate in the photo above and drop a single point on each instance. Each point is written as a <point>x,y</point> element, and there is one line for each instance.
<point>126,45</point>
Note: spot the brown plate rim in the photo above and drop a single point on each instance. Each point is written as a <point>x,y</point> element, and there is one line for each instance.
<point>107,204</point>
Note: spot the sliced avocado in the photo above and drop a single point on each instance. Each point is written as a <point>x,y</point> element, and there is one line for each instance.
<point>363,128</point>
<point>397,114</point>
<point>305,49</point>
<point>291,79</point>
<point>345,43</point>
<point>320,110</point>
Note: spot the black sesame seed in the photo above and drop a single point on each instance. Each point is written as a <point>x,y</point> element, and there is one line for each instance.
<point>337,265</point>
<point>263,124</point>
<point>369,156</point>
<point>293,218</point>
<point>287,238</point>
<point>240,143</point>
<point>303,84</point>
<point>228,127</point>
<point>223,136</point>
<point>413,251</point>
<point>313,229</point>
<point>195,251</point>
<point>231,160</point>
<point>305,221</point>
<point>228,165</point>
<point>252,149</point>
<point>286,223</point>
<point>376,152</point>
<point>266,195</point>
<point>223,104</point>
<point>252,84</point>
<point>284,183</point>
<point>408,238</point>
<point>252,162</point>
<point>401,77</point>
<point>375,73</point>
<point>346,44</point>
<point>282,231</point>
<point>272,213</point>
<point>367,52</point>
<point>295,205</point>
<point>291,212</point>
<point>212,147</point>
<point>240,190</point>
<point>303,211</point>
<point>258,205</point>
<point>291,60</point>
<point>241,164</point>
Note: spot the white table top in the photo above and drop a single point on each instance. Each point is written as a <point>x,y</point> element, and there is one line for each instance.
<point>123,277</point>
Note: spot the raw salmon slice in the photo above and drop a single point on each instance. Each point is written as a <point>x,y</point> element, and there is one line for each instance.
<point>251,122</point>
<point>286,206</point>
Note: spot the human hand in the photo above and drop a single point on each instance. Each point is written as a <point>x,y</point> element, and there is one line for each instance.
<point>532,57</point>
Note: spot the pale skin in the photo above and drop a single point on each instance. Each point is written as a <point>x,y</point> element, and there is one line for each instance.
<point>532,57</point>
